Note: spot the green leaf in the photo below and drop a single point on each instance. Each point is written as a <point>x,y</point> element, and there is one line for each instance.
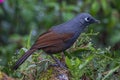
<point>95,7</point>
<point>105,6</point>
<point>29,38</point>
<point>86,62</point>
<point>68,62</point>
<point>111,72</point>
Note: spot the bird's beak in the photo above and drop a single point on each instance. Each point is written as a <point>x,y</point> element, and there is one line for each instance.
<point>97,21</point>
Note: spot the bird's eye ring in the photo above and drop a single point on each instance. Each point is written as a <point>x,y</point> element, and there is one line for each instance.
<point>87,19</point>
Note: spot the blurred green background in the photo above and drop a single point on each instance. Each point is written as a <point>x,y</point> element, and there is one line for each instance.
<point>21,18</point>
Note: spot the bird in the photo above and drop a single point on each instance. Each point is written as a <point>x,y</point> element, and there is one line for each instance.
<point>60,37</point>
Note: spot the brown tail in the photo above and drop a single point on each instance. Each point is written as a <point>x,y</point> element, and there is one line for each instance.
<point>23,58</point>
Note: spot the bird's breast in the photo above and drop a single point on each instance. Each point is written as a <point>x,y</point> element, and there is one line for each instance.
<point>71,41</point>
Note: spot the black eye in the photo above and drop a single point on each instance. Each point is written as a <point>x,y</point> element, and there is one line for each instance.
<point>87,19</point>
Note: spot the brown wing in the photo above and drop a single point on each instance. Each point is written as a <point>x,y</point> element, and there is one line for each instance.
<point>51,38</point>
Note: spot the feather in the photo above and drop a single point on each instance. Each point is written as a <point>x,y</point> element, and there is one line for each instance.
<point>23,58</point>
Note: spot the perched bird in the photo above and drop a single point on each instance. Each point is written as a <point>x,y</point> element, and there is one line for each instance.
<point>60,37</point>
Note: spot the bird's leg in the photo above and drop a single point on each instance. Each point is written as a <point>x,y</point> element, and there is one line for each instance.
<point>58,62</point>
<point>63,56</point>
<point>55,59</point>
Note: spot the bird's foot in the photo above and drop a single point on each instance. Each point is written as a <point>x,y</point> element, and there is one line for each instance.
<point>60,64</point>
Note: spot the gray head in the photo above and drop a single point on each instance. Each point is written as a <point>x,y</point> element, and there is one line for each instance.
<point>86,19</point>
<point>76,24</point>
